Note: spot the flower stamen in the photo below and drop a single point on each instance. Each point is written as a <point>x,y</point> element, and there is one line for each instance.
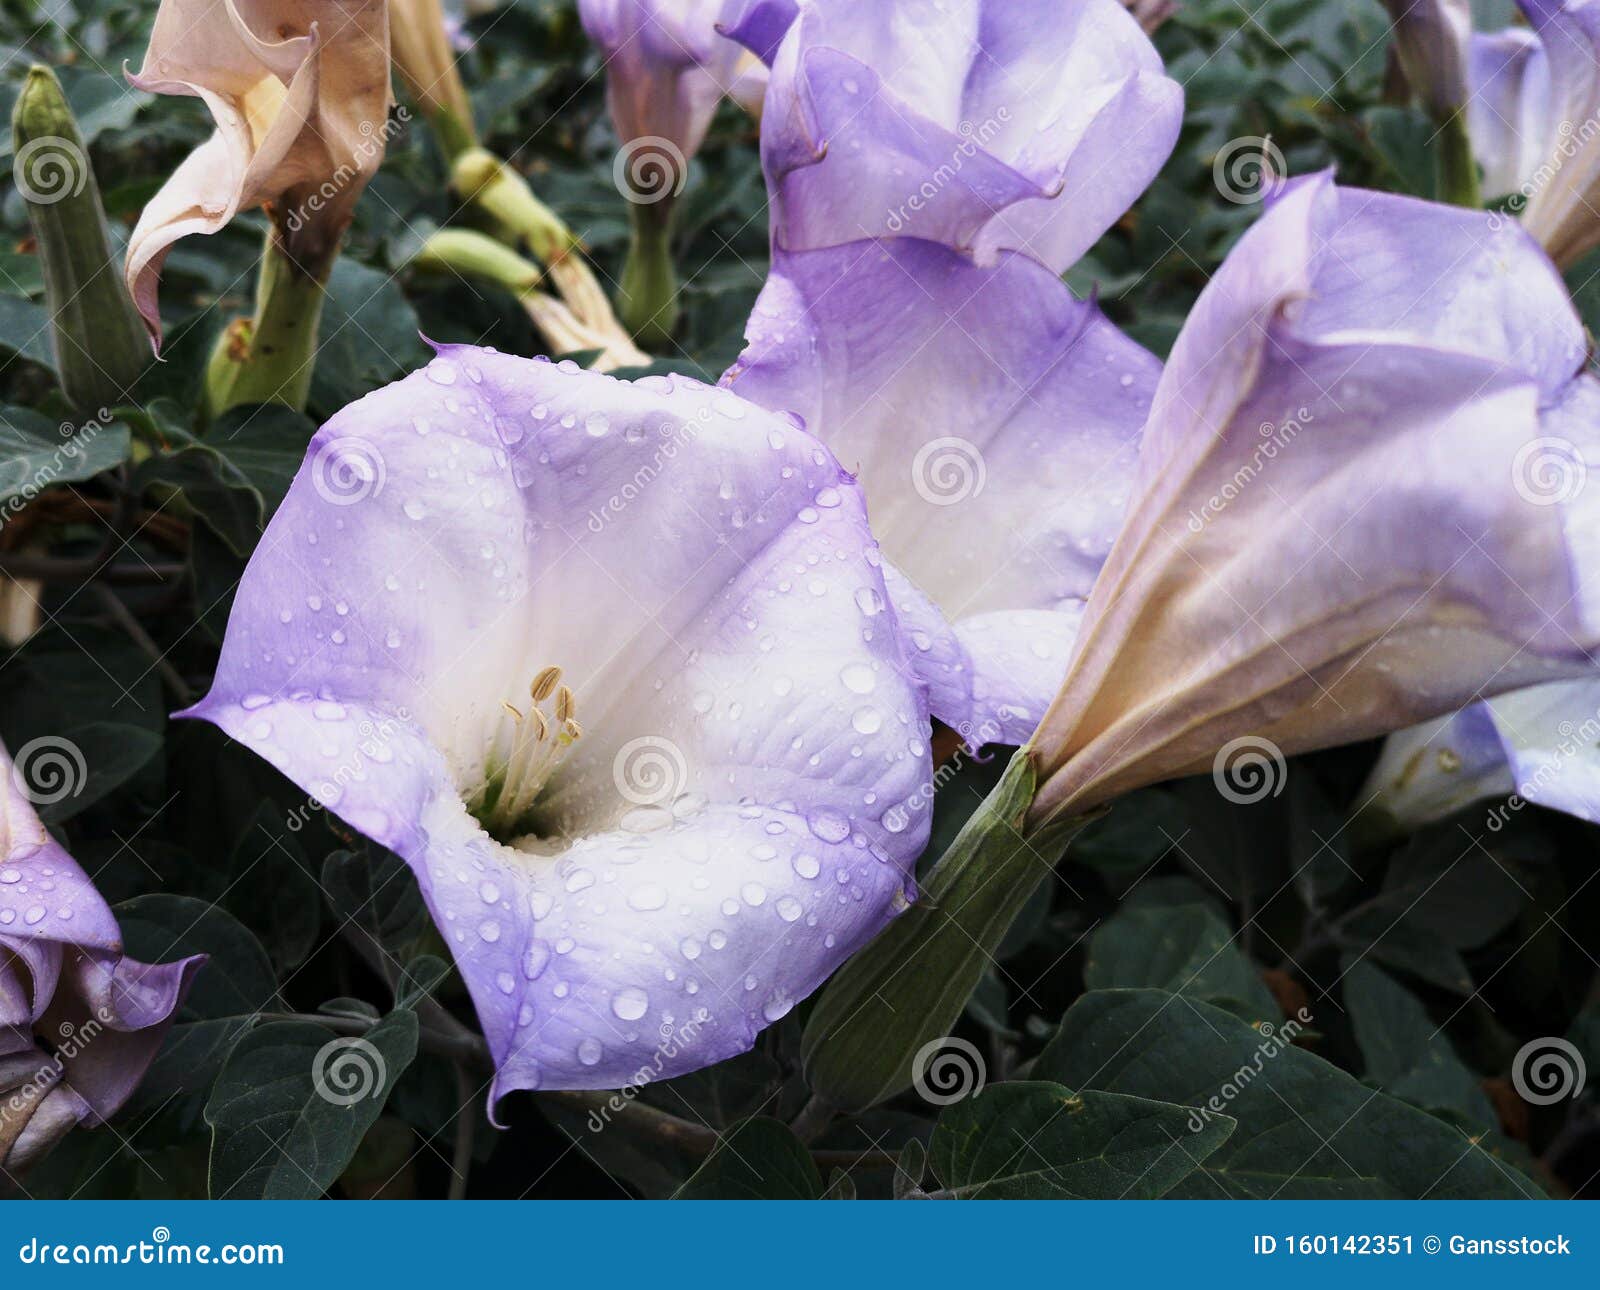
<point>524,750</point>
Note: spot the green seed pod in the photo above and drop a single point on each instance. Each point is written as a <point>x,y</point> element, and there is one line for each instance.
<point>100,346</point>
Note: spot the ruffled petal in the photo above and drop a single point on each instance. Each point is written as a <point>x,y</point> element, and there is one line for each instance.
<point>745,802</point>
<point>300,95</point>
<point>988,125</point>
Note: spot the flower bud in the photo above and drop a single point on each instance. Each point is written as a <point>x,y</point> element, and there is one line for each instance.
<point>98,343</point>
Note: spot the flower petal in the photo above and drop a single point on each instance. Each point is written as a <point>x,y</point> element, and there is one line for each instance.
<point>1561,211</point>
<point>300,94</point>
<point>985,125</point>
<point>1507,107</point>
<point>907,360</point>
<point>62,971</point>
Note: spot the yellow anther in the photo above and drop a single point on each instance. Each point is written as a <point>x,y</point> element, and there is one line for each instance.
<point>541,727</point>
<point>512,709</point>
<point>544,684</point>
<point>565,704</point>
<point>572,729</point>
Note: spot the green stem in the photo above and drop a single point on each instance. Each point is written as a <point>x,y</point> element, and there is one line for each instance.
<point>270,358</point>
<point>505,198</point>
<point>907,988</point>
<point>1456,166</point>
<point>649,290</point>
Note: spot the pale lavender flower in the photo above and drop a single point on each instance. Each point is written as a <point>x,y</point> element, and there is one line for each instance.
<point>1539,745</point>
<point>1534,117</point>
<point>985,125</point>
<point>993,420</point>
<point>612,666</point>
<point>667,67</point>
<point>80,1022</point>
<point>1335,530</point>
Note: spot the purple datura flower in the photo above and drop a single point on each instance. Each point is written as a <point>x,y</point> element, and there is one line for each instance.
<point>1539,745</point>
<point>667,67</point>
<point>1533,112</point>
<point>992,417</point>
<point>1333,532</point>
<point>994,421</point>
<point>80,1023</point>
<point>984,125</point>
<point>612,665</point>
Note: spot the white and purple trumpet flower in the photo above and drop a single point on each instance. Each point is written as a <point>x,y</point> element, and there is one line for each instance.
<point>613,666</point>
<point>1531,96</point>
<point>80,1022</point>
<point>1332,533</point>
<point>667,67</point>
<point>984,125</point>
<point>915,320</point>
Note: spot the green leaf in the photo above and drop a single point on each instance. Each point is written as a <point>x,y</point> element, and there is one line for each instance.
<point>235,477</point>
<point>1406,1053</point>
<point>294,1101</point>
<point>1187,949</point>
<point>1305,1128</point>
<point>36,452</point>
<point>1137,831</point>
<point>113,752</point>
<point>378,894</point>
<point>369,336</point>
<point>759,1159</point>
<point>272,889</point>
<point>25,329</point>
<point>1034,1140</point>
<point>236,982</point>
